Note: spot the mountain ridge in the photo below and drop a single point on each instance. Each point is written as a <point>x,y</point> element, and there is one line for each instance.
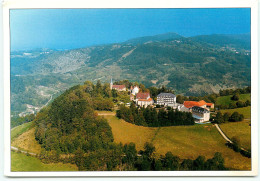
<point>190,66</point>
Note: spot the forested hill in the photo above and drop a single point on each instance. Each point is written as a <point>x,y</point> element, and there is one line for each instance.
<point>189,65</point>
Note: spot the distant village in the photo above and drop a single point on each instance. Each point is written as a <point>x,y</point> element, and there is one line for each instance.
<point>200,109</point>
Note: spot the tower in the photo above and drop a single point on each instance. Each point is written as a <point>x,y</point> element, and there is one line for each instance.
<point>111,84</point>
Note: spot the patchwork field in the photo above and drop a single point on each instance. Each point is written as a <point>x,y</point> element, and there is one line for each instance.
<point>183,141</point>
<point>22,162</point>
<point>226,100</point>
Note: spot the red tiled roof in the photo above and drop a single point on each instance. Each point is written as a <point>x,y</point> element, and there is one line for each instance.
<point>118,86</point>
<point>142,95</point>
<point>209,104</point>
<point>190,104</point>
<point>148,100</point>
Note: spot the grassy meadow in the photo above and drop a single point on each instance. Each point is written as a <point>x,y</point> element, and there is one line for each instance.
<point>125,132</point>
<point>21,162</point>
<point>17,131</point>
<point>22,137</point>
<point>183,141</point>
<point>246,111</point>
<point>27,142</point>
<point>240,130</point>
<point>226,100</point>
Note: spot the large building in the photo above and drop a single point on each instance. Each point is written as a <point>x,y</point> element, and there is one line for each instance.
<point>117,87</point>
<point>200,114</point>
<point>202,104</point>
<point>166,99</point>
<point>143,99</point>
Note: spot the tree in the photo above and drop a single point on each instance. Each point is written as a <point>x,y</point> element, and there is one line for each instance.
<point>171,162</point>
<point>199,163</point>
<point>179,99</point>
<point>235,97</point>
<point>240,104</point>
<point>219,118</point>
<point>226,116</point>
<point>235,117</point>
<point>187,164</point>
<point>148,149</point>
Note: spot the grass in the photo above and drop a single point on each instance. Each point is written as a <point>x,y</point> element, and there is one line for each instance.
<point>125,132</point>
<point>183,141</point>
<point>22,162</point>
<point>18,130</point>
<point>246,111</point>
<point>27,142</point>
<point>241,130</point>
<point>226,100</point>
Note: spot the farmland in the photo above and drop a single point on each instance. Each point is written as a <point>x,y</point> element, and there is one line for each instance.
<point>183,141</point>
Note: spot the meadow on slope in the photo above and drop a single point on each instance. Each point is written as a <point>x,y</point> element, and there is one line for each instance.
<point>22,137</point>
<point>183,141</point>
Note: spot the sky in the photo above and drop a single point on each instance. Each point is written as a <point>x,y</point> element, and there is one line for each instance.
<point>76,28</point>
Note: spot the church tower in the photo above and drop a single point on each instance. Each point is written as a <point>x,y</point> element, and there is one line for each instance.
<point>111,84</point>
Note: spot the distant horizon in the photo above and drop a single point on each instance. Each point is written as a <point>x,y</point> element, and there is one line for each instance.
<point>120,42</point>
<point>66,29</point>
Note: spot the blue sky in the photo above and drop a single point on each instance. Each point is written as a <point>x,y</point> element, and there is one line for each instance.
<point>76,28</point>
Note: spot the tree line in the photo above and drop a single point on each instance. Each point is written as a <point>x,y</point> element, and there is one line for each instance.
<point>125,158</point>
<point>227,117</point>
<point>151,117</point>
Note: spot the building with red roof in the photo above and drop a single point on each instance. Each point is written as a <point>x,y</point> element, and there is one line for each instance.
<point>201,103</point>
<point>143,99</point>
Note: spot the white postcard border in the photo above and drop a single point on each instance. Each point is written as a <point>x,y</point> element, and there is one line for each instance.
<point>26,4</point>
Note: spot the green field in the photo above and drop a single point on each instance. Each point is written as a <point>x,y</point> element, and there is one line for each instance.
<point>17,131</point>
<point>22,162</point>
<point>226,100</point>
<point>22,137</point>
<point>183,141</point>
<point>241,130</point>
<point>246,111</point>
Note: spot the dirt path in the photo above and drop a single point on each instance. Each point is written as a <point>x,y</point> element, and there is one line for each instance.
<point>225,137</point>
<point>25,152</point>
<point>222,134</point>
<point>107,114</point>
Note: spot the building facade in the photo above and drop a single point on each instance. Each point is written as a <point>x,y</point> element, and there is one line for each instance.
<point>200,114</point>
<point>201,103</point>
<point>134,90</point>
<point>166,99</point>
<point>143,99</point>
<point>117,87</point>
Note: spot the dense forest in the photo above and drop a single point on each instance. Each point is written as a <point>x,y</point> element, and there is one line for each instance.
<point>153,118</point>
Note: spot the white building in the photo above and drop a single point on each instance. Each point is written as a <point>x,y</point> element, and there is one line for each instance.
<point>166,99</point>
<point>200,114</point>
<point>134,90</point>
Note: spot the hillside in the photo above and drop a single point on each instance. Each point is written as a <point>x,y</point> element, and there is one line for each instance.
<point>189,65</point>
<point>187,142</point>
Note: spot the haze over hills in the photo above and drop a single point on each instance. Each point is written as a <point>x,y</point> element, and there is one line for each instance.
<point>189,65</point>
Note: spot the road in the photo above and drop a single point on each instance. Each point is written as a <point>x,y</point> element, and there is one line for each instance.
<point>107,114</point>
<point>222,134</point>
<point>25,152</point>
